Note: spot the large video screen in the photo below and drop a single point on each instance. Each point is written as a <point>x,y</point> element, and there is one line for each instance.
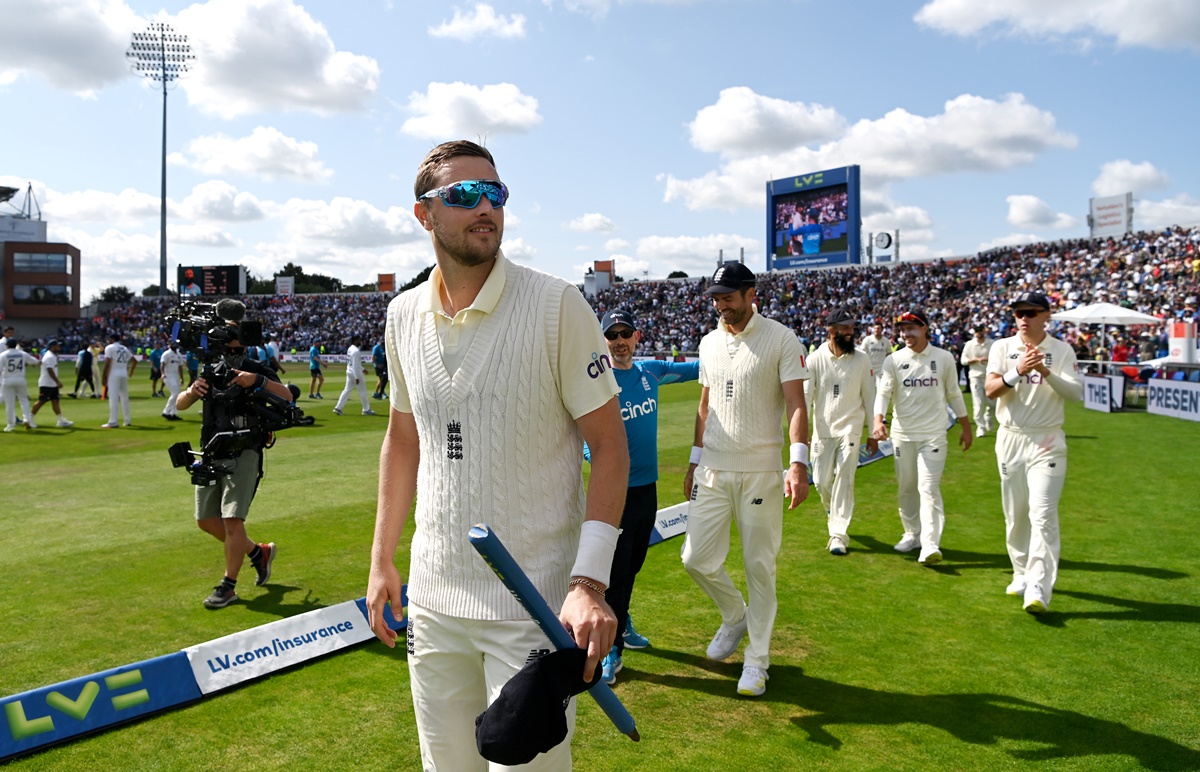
<point>212,280</point>
<point>813,220</point>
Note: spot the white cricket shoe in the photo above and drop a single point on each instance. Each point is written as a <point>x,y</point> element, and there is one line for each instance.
<point>727,639</point>
<point>753,681</point>
<point>907,543</point>
<point>836,545</point>
<point>1035,600</point>
<point>64,423</point>
<point>930,556</point>
<point>1016,587</point>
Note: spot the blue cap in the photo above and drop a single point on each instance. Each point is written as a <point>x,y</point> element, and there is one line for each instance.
<point>617,316</point>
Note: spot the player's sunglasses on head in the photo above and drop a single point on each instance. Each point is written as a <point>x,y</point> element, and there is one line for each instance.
<point>466,194</point>
<point>1026,313</point>
<point>626,334</point>
<point>910,318</point>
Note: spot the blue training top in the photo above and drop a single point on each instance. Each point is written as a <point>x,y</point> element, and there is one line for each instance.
<point>313,353</point>
<point>639,410</point>
<point>379,355</point>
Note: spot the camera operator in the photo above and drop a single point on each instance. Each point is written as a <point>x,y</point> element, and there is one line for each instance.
<point>222,506</point>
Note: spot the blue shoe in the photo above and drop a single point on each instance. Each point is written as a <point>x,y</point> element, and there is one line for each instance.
<point>611,666</point>
<point>633,640</point>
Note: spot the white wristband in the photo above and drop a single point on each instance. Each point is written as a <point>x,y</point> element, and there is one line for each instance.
<point>799,453</point>
<point>694,458</point>
<point>597,543</point>
<point>1011,377</point>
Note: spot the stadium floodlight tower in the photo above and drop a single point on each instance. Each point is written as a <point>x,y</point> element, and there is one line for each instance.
<point>163,56</point>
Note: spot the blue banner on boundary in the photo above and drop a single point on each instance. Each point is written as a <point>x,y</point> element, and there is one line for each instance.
<point>52,714</point>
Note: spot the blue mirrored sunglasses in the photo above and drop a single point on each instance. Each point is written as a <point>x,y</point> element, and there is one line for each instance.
<point>466,194</point>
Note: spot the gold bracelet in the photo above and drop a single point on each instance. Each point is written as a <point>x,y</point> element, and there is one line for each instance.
<point>588,583</point>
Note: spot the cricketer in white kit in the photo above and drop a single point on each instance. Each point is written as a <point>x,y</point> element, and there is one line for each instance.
<point>1031,375</point>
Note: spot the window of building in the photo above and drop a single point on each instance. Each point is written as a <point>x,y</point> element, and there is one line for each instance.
<point>41,294</point>
<point>35,262</point>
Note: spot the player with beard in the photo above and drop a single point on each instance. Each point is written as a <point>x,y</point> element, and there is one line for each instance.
<point>920,379</point>
<point>498,374</point>
<point>751,372</point>
<point>841,397</point>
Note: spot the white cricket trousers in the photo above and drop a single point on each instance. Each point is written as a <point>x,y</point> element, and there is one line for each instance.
<point>17,391</point>
<point>919,467</point>
<point>1033,467</point>
<point>755,501</point>
<point>349,388</point>
<point>173,387</point>
<point>457,668</point>
<point>983,409</point>
<point>118,396</point>
<point>834,465</point>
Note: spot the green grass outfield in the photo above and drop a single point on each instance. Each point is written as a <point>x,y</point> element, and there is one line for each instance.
<point>878,663</point>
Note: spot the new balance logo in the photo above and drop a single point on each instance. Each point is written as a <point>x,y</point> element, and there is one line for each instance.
<point>535,655</point>
<point>756,502</point>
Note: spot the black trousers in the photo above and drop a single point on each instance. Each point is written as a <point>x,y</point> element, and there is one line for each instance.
<point>637,523</point>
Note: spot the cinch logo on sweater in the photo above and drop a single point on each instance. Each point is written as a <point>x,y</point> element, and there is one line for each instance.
<point>599,364</point>
<point>634,411</point>
<point>911,382</point>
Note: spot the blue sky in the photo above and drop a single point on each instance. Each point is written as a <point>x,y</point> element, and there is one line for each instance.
<point>637,129</point>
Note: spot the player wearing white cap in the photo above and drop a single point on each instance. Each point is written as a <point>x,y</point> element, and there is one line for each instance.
<point>119,362</point>
<point>1031,375</point>
<point>920,378</point>
<point>752,375</point>
<point>12,382</point>
<point>974,358</point>
<point>354,379</point>
<point>841,398</point>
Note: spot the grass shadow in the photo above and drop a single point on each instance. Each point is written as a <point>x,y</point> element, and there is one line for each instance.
<point>273,601</point>
<point>1133,610</point>
<point>1028,731</point>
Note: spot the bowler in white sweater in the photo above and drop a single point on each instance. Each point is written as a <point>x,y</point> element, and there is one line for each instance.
<point>752,376</point>
<point>499,373</point>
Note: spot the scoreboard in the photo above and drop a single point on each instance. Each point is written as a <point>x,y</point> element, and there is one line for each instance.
<point>212,280</point>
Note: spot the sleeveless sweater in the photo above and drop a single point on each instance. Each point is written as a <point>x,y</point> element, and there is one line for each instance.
<point>497,447</point>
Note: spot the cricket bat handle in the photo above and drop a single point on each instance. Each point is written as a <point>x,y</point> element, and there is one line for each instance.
<point>493,551</point>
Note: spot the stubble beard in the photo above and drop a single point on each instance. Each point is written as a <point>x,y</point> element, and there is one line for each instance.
<point>462,252</point>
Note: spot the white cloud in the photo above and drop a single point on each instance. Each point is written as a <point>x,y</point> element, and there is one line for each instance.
<point>972,134</point>
<point>1124,176</point>
<point>597,9</point>
<point>462,110</point>
<point>616,245</point>
<point>745,123</point>
<point>352,266</point>
<point>1181,210</point>
<point>349,223</point>
<point>482,21</point>
<point>218,200</point>
<point>519,249</point>
<point>200,235</point>
<point>1032,212</point>
<point>1011,240</point>
<point>111,258</point>
<point>267,153</point>
<point>77,45</point>
<point>592,222</point>
<point>1151,23</point>
<point>261,55</point>
<point>129,207</point>
<point>630,268</point>
<point>695,255</point>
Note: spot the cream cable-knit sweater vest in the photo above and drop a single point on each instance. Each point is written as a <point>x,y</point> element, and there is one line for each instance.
<point>744,428</point>
<point>497,447</point>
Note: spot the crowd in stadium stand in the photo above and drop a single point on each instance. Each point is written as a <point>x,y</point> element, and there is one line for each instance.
<point>1156,272</point>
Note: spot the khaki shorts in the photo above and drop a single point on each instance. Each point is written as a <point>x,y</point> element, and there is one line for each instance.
<point>231,495</point>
